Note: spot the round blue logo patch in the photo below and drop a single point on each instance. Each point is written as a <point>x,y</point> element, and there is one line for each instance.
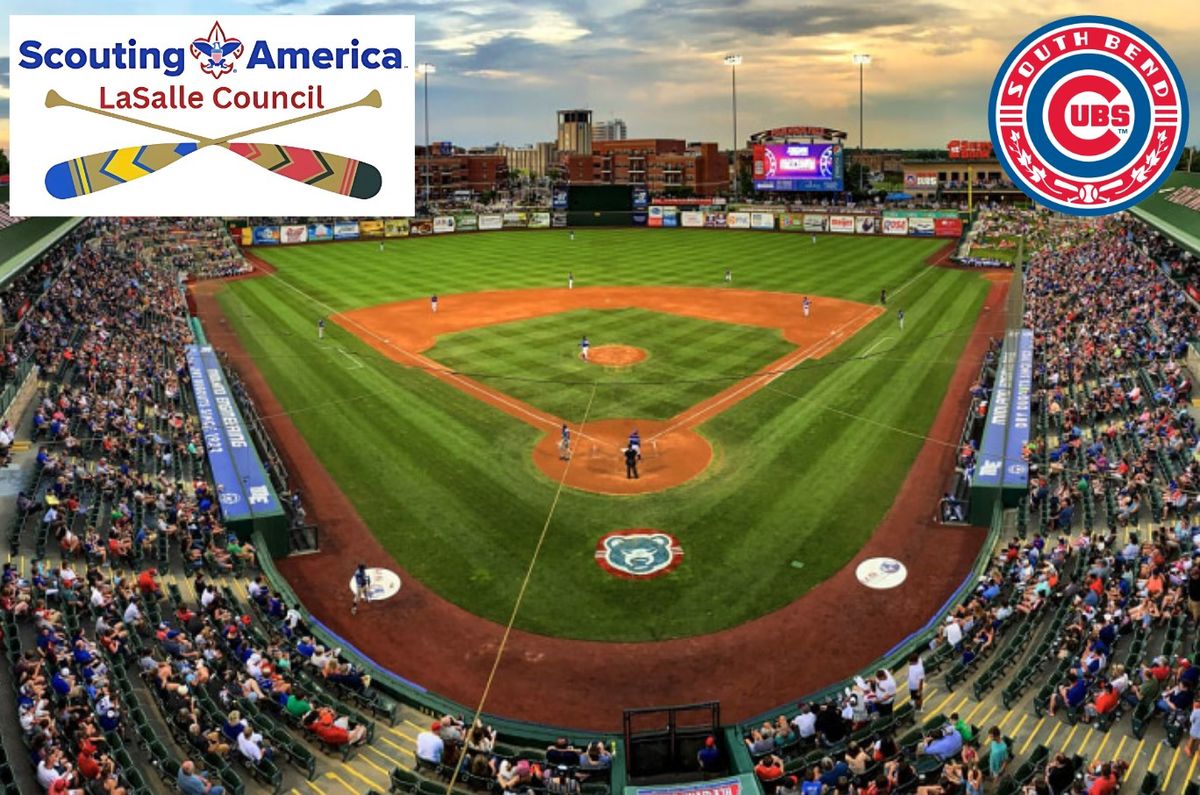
<point>638,553</point>
<point>1088,115</point>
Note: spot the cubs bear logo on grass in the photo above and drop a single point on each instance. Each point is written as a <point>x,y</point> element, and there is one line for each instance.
<point>1088,115</point>
<point>638,553</point>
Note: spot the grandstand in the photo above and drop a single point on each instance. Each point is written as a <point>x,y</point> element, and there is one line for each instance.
<point>142,633</point>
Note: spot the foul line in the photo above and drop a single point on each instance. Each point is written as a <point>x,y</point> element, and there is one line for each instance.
<point>512,619</point>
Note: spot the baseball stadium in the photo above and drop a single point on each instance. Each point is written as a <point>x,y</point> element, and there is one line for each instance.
<point>770,486</point>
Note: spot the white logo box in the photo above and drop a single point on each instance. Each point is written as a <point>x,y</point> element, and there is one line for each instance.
<point>294,64</point>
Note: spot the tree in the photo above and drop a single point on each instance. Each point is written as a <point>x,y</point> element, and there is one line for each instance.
<point>858,174</point>
<point>3,162</point>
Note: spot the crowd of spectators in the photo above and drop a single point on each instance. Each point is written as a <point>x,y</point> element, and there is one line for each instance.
<point>200,247</point>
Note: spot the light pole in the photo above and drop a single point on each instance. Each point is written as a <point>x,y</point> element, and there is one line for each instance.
<point>425,70</point>
<point>862,59</point>
<point>732,62</point>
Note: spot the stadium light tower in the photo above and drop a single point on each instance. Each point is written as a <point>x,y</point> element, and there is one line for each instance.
<point>732,62</point>
<point>425,70</point>
<point>862,59</point>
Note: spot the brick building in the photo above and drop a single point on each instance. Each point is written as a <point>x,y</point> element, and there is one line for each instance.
<point>661,164</point>
<point>459,171</point>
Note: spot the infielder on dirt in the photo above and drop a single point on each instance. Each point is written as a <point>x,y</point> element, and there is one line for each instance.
<point>564,446</point>
<point>807,306</point>
<point>583,348</point>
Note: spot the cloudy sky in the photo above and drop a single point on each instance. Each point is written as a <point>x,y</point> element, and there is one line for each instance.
<point>505,67</point>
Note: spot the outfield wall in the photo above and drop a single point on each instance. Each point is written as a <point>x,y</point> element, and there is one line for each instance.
<point>895,223</point>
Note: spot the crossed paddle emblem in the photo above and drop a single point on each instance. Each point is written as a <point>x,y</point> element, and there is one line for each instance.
<point>334,173</point>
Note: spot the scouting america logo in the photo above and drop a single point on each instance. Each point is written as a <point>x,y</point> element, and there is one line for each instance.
<point>638,553</point>
<point>1088,115</point>
<point>216,52</point>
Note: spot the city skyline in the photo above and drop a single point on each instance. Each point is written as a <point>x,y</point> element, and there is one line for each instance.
<point>505,68</point>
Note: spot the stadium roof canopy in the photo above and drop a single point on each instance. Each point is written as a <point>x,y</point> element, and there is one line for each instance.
<point>1175,220</point>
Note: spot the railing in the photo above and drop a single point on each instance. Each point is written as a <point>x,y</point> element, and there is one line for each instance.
<point>13,388</point>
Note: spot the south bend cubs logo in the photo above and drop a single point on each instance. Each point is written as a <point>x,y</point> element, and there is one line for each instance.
<point>638,553</point>
<point>216,52</point>
<point>1088,115</point>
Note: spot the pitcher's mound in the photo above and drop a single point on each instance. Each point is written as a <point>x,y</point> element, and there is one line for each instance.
<point>615,355</point>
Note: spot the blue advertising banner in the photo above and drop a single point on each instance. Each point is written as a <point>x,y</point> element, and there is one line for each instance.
<point>1016,471</point>
<point>989,469</point>
<point>345,230</point>
<point>670,217</point>
<point>252,478</point>
<point>234,504</point>
<point>266,236</point>
<point>558,199</point>
<point>320,232</point>
<point>641,198</point>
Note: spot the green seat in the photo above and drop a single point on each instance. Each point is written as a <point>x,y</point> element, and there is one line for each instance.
<point>403,781</point>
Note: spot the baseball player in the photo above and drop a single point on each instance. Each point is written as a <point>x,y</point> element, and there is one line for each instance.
<point>883,296</point>
<point>570,280</point>
<point>807,306</point>
<point>814,237</point>
<point>362,587</point>
<point>631,462</point>
<point>900,318</point>
<point>572,234</point>
<point>564,446</point>
<point>380,246</point>
<point>728,276</point>
<point>583,348</point>
<point>321,328</point>
<point>433,304</point>
<point>635,442</point>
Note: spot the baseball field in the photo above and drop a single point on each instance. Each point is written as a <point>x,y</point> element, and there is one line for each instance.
<point>773,443</point>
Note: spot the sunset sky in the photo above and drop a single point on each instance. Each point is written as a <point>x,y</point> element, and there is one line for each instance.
<point>505,67</point>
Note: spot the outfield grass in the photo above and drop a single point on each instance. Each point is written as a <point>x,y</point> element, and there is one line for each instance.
<point>688,360</point>
<point>803,471</point>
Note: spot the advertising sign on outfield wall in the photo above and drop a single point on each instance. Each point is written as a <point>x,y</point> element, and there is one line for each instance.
<point>715,220</point>
<point>921,227</point>
<point>947,227</point>
<point>895,226</point>
<point>319,233</point>
<point>539,220</point>
<point>515,221</point>
<point>866,225</point>
<point>345,230</point>
<point>443,224</point>
<point>762,220</point>
<point>395,227</point>
<point>420,228</point>
<point>558,219</point>
<point>293,234</point>
<point>490,222</point>
<point>841,223</point>
<point>670,216</point>
<point>266,236</point>
<point>466,222</point>
<point>816,223</point>
<point>654,216</point>
<point>791,222</point>
<point>371,227</point>
<point>691,218</point>
<point>737,220</point>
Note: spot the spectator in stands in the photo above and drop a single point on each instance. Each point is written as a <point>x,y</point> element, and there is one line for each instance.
<point>595,758</point>
<point>769,770</point>
<point>998,753</point>
<point>946,744</point>
<point>1070,695</point>
<point>561,752</point>
<point>334,730</point>
<point>430,745</point>
<point>192,783</point>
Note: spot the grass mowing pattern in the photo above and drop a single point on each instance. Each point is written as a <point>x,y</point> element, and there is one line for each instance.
<point>449,487</point>
<point>689,360</point>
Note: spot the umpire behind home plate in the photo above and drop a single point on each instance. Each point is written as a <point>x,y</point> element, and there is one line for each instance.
<point>631,461</point>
